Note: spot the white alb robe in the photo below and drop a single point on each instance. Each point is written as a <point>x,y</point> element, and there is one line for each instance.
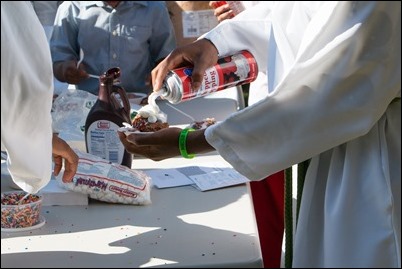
<point>26,96</point>
<point>334,69</point>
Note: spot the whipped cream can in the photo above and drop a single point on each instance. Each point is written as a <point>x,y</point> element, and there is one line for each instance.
<point>230,71</point>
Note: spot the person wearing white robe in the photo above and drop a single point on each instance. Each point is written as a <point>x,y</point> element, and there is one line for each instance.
<point>334,73</point>
<point>267,194</point>
<point>26,100</point>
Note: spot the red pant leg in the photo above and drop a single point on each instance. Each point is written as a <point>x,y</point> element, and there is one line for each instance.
<point>268,200</point>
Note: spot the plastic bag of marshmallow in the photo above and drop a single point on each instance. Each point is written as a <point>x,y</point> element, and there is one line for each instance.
<point>109,182</point>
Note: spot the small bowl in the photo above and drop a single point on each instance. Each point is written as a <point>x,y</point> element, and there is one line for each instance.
<point>16,216</point>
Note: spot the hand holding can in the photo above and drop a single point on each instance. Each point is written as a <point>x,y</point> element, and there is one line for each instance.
<point>230,71</point>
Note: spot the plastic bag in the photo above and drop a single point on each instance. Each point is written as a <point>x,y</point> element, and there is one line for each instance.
<point>69,113</point>
<point>109,182</point>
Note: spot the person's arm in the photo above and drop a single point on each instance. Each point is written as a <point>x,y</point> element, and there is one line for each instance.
<point>26,123</point>
<point>64,45</point>
<point>339,64</point>
<point>26,96</point>
<point>164,144</point>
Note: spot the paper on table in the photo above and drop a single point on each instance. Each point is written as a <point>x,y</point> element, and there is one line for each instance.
<point>218,179</point>
<point>167,178</point>
<point>203,177</point>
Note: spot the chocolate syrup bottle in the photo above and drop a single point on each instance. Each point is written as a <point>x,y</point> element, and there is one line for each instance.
<point>110,110</point>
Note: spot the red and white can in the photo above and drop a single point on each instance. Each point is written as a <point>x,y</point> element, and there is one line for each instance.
<point>230,71</point>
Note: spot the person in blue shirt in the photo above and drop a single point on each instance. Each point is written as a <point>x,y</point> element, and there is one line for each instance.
<point>132,35</point>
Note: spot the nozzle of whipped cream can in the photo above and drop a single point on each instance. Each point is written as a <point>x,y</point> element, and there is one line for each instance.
<point>230,71</point>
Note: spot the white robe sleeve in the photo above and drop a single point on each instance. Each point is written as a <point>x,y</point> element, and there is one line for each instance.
<point>333,69</point>
<point>26,96</point>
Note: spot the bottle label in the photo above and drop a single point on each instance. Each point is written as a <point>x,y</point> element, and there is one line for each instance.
<point>103,141</point>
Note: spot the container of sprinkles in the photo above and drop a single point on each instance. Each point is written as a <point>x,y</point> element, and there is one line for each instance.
<point>18,214</point>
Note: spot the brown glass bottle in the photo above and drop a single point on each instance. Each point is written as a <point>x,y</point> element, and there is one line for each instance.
<point>110,110</point>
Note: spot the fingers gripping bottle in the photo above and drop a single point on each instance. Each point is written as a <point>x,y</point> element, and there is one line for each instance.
<point>110,110</point>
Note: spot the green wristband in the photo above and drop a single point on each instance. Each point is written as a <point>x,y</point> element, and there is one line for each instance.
<point>182,143</point>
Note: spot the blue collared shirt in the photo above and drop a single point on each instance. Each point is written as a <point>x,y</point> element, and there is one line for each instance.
<point>132,36</point>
